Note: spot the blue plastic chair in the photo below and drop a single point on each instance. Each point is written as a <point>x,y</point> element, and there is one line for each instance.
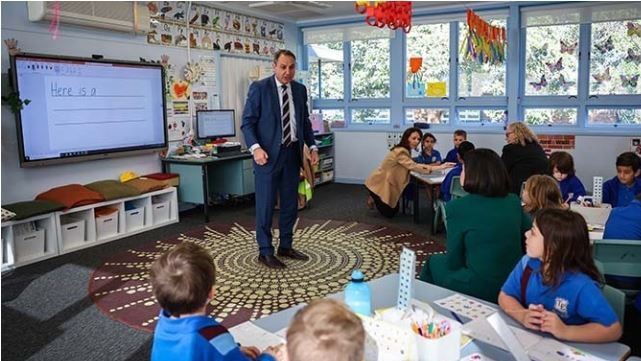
<point>621,261</point>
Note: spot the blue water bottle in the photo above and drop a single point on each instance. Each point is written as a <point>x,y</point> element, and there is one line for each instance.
<point>358,295</point>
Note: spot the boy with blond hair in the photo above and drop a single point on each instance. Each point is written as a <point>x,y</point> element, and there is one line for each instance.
<point>459,137</point>
<point>183,283</point>
<point>325,330</point>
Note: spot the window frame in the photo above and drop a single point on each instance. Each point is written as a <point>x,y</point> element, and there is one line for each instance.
<point>514,100</point>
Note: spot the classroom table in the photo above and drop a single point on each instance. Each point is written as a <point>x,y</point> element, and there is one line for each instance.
<point>201,176</point>
<point>432,182</point>
<point>384,295</point>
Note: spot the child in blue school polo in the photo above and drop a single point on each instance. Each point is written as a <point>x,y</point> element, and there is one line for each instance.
<point>183,283</point>
<point>459,137</point>
<point>561,294</point>
<point>428,155</point>
<point>562,169</point>
<point>621,190</point>
<point>463,148</point>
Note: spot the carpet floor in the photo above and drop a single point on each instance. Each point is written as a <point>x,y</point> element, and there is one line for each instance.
<point>248,290</point>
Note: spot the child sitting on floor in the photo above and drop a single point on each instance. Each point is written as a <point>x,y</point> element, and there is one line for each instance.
<point>562,169</point>
<point>325,330</point>
<point>183,283</point>
<point>555,286</point>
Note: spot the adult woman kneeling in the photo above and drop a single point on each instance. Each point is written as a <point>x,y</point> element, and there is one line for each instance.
<point>484,231</point>
<point>386,183</point>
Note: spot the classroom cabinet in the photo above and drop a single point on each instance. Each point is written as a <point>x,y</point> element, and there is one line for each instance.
<point>324,170</point>
<point>48,235</point>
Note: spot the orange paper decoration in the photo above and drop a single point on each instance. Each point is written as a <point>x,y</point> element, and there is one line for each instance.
<point>415,64</point>
<point>393,14</point>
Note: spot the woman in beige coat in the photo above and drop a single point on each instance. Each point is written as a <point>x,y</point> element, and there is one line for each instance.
<point>386,183</point>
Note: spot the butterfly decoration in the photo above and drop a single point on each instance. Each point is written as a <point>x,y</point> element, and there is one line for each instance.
<point>542,83</point>
<point>605,76</point>
<point>565,84</point>
<point>634,29</point>
<point>632,56</point>
<point>568,47</point>
<point>541,52</point>
<point>558,66</point>
<point>606,46</point>
<point>630,81</point>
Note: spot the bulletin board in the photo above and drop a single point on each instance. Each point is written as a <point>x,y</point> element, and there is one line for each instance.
<point>175,23</point>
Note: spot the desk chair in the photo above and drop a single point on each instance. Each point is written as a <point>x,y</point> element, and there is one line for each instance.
<point>456,190</point>
<point>621,262</point>
<point>615,297</point>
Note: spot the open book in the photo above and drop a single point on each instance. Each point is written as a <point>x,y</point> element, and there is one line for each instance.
<point>494,331</point>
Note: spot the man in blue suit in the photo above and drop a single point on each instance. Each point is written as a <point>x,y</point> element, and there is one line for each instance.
<point>275,125</point>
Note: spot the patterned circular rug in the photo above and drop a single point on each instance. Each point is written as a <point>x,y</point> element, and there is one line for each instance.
<point>246,289</point>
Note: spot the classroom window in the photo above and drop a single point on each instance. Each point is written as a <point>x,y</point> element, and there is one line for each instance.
<point>371,116</point>
<point>550,116</point>
<point>427,115</point>
<point>332,115</point>
<point>479,79</point>
<point>370,68</point>
<point>429,44</point>
<point>481,116</point>
<point>551,60</point>
<point>620,116</point>
<point>326,70</point>
<point>615,61</point>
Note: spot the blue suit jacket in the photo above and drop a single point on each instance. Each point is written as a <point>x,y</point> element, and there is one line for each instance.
<point>262,119</point>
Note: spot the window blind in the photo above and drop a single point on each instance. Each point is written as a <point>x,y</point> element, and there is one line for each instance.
<point>332,34</point>
<point>580,14</point>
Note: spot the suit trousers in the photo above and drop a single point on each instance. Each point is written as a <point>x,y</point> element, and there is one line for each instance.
<point>282,181</point>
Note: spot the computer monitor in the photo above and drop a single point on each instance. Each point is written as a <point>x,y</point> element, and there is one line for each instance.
<point>213,124</point>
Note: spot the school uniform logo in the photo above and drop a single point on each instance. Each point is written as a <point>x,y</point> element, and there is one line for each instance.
<point>561,307</point>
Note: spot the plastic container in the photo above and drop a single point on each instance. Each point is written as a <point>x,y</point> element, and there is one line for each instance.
<point>73,232</point>
<point>445,348</point>
<point>358,295</point>
<point>107,226</point>
<point>160,212</point>
<point>30,245</point>
<point>135,218</point>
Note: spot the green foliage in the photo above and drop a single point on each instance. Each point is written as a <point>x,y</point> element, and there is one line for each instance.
<point>14,101</point>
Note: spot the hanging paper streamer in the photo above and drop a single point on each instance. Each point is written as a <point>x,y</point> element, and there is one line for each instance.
<point>484,43</point>
<point>54,25</point>
<point>393,14</point>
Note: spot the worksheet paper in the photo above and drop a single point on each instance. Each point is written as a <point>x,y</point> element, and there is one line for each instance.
<point>465,306</point>
<point>248,334</point>
<point>537,347</point>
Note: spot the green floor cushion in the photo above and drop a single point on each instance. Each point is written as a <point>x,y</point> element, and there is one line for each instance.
<point>71,195</point>
<point>112,189</point>
<point>32,208</point>
<point>145,185</point>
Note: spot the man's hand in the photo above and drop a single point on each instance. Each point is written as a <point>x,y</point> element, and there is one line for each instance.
<point>314,156</point>
<point>260,156</point>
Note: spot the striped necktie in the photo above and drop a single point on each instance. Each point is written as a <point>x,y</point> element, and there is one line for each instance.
<point>287,126</point>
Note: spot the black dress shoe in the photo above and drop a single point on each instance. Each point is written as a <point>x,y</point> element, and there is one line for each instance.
<point>271,261</point>
<point>292,253</point>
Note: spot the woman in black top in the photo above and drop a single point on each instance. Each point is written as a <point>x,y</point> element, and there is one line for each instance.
<point>523,155</point>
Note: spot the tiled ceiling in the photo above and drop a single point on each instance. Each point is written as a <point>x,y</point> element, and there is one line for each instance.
<point>297,11</point>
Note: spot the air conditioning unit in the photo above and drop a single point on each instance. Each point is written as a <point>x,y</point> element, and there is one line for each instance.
<point>112,15</point>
